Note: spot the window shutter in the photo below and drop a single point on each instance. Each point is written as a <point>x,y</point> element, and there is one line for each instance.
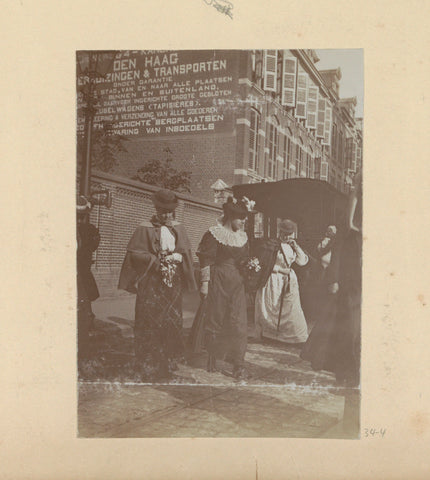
<point>327,124</point>
<point>302,95</point>
<point>321,117</point>
<point>270,69</point>
<point>311,120</point>
<point>289,80</point>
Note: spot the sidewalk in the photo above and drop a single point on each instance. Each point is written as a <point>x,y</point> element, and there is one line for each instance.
<point>283,398</point>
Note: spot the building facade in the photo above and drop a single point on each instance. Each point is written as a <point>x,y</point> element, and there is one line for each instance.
<point>237,116</point>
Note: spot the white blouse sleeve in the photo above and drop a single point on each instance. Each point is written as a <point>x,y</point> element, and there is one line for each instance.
<point>301,257</point>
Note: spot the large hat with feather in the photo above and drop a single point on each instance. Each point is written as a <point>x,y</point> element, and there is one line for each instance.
<point>234,209</point>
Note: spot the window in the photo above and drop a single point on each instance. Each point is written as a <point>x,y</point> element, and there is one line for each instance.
<point>312,173</point>
<point>298,160</point>
<point>253,162</point>
<point>258,73</point>
<point>287,157</point>
<point>317,168</point>
<point>272,143</point>
<point>359,157</point>
<point>348,153</point>
<point>308,165</point>
<point>324,171</point>
<point>334,142</point>
<point>340,148</point>
<point>354,156</point>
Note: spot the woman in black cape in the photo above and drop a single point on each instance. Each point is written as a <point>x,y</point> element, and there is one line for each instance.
<point>335,341</point>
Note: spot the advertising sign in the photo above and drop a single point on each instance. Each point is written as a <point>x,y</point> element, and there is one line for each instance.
<point>151,93</point>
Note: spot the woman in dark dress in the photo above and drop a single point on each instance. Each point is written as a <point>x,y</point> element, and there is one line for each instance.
<point>222,252</point>
<point>334,343</point>
<point>158,266</point>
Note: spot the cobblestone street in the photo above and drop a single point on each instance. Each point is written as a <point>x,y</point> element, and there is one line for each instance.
<point>283,398</point>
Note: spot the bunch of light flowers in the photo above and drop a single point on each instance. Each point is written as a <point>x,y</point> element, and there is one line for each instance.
<point>168,266</point>
<point>253,265</point>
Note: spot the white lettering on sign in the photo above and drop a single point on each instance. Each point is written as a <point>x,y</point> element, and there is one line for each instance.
<point>126,64</point>
<point>184,69</point>
<point>156,93</point>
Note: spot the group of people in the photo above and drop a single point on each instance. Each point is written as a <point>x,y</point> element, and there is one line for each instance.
<point>158,267</point>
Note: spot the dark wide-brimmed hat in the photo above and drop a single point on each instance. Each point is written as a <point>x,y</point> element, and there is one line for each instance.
<point>287,226</point>
<point>234,209</point>
<point>165,200</point>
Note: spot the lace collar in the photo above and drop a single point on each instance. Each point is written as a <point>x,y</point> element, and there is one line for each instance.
<point>228,237</point>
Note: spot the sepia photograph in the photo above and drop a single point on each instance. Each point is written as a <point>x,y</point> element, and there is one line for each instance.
<point>215,255</point>
<point>219,243</point>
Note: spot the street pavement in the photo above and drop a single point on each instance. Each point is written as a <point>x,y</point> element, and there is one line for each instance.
<point>284,397</point>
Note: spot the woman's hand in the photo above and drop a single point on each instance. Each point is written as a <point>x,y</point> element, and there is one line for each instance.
<point>333,288</point>
<point>204,288</point>
<point>293,244</point>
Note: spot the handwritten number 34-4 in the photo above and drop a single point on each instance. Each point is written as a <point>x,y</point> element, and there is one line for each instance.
<point>372,432</point>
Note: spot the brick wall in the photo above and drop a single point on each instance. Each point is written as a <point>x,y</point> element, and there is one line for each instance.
<point>207,156</point>
<point>131,205</point>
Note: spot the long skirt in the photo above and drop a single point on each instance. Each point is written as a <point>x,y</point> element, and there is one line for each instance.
<point>226,316</point>
<point>280,316</point>
<point>158,325</point>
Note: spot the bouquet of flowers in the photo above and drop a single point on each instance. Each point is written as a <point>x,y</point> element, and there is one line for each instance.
<point>253,265</point>
<point>251,269</point>
<point>168,265</point>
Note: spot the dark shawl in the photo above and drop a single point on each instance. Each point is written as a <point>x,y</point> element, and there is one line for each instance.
<point>266,251</point>
<point>142,255</point>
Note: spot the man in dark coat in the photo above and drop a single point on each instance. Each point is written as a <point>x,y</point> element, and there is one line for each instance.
<point>88,239</point>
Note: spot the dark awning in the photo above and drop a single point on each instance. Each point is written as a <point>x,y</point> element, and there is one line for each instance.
<point>287,197</point>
